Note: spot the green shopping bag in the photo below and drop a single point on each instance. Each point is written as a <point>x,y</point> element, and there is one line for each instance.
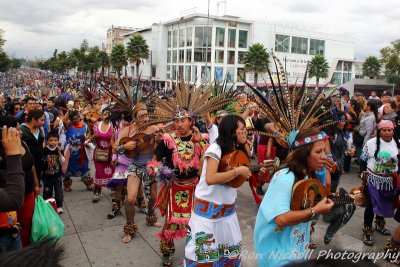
<point>45,221</point>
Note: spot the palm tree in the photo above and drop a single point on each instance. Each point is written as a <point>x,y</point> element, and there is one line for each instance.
<point>137,51</point>
<point>118,58</point>
<point>256,60</point>
<point>371,67</point>
<point>104,61</point>
<point>318,68</point>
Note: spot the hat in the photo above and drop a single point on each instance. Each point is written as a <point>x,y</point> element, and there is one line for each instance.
<point>386,93</point>
<point>385,124</point>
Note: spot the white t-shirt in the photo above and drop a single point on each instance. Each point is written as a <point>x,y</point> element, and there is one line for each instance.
<point>386,162</point>
<point>212,133</point>
<point>220,193</point>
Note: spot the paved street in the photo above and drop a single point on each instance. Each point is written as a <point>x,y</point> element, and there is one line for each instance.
<point>93,240</point>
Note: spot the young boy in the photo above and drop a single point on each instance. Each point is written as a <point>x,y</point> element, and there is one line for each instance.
<point>52,175</point>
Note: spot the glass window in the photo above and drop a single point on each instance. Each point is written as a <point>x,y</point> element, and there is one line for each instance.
<point>347,66</point>
<point>201,54</point>
<point>194,73</point>
<point>205,74</point>
<point>173,73</point>
<point>180,71</point>
<point>169,38</point>
<point>175,38</point>
<point>168,68</point>
<point>346,77</point>
<point>168,56</point>
<point>188,73</point>
<point>282,43</point>
<point>231,57</point>
<point>219,56</point>
<point>299,45</point>
<point>219,37</point>
<point>240,74</point>
<point>242,39</point>
<point>181,55</point>
<point>189,55</point>
<point>241,57</point>
<point>189,36</point>
<point>230,75</point>
<point>174,56</point>
<point>202,37</point>
<point>339,65</point>
<point>317,47</point>
<point>218,74</point>
<point>181,37</point>
<point>231,38</point>
<point>336,78</point>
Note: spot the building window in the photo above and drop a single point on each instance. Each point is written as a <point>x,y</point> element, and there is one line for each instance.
<point>189,36</point>
<point>339,65</point>
<point>174,56</point>
<point>153,71</point>
<point>317,47</point>
<point>188,73</point>
<point>202,37</point>
<point>201,55</point>
<point>241,57</point>
<point>282,43</point>
<point>173,72</point>
<point>242,39</point>
<point>194,73</point>
<point>175,38</point>
<point>180,71</point>
<point>169,38</point>
<point>231,38</point>
<point>205,74</point>
<point>346,77</point>
<point>189,55</point>
<point>181,56</point>
<point>218,74</point>
<point>219,56</point>
<point>168,56</point>
<point>219,37</point>
<point>299,45</point>
<point>181,37</point>
<point>230,75</point>
<point>231,57</point>
<point>240,74</point>
<point>347,66</point>
<point>336,78</point>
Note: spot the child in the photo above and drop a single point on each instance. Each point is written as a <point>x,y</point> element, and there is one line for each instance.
<point>52,175</point>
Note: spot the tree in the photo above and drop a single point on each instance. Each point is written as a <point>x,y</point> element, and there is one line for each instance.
<point>15,63</point>
<point>4,61</point>
<point>391,61</point>
<point>371,67</point>
<point>104,61</point>
<point>256,60</point>
<point>318,68</point>
<point>137,51</point>
<point>118,58</point>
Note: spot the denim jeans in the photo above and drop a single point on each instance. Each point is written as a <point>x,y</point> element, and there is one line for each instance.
<point>7,243</point>
<point>50,184</point>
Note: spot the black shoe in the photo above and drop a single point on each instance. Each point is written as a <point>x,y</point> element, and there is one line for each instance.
<point>113,214</point>
<point>259,191</point>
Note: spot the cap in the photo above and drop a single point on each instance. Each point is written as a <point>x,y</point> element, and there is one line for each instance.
<point>386,93</point>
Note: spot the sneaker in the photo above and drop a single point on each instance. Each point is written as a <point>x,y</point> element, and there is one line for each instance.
<point>60,210</point>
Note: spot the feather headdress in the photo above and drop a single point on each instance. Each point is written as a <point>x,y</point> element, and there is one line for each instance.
<point>125,98</point>
<point>90,95</point>
<point>190,101</point>
<point>286,107</point>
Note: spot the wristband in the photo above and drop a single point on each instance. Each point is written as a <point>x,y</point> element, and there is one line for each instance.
<point>121,150</point>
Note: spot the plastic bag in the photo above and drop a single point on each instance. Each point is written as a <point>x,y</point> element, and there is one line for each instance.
<point>45,221</point>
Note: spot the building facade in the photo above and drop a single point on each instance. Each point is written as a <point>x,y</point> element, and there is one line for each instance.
<point>205,49</point>
<point>114,36</point>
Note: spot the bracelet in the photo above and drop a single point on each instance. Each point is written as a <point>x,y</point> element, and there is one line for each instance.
<point>120,150</point>
<point>313,214</point>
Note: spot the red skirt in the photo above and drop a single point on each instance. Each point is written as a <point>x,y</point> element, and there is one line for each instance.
<point>24,215</point>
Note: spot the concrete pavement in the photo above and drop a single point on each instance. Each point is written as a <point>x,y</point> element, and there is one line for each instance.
<point>93,240</point>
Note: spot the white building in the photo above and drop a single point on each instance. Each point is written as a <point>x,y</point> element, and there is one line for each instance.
<point>212,49</point>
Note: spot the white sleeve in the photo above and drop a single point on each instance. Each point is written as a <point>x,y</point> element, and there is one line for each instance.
<point>212,133</point>
<point>213,151</point>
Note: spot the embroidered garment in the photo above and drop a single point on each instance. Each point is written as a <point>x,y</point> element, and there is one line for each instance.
<point>78,162</point>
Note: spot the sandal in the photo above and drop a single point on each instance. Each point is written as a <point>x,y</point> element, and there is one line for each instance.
<point>380,226</point>
<point>392,249</point>
<point>130,230</point>
<point>152,220</point>
<point>166,261</point>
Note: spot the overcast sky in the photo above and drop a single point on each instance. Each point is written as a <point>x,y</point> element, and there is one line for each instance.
<point>36,28</point>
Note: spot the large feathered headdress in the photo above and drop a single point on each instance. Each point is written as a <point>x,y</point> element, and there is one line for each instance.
<point>286,108</point>
<point>190,101</point>
<point>90,94</point>
<point>125,98</point>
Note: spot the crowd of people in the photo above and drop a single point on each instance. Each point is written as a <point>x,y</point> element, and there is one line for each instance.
<point>167,153</point>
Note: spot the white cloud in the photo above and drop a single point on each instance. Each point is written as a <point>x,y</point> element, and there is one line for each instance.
<point>36,28</point>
